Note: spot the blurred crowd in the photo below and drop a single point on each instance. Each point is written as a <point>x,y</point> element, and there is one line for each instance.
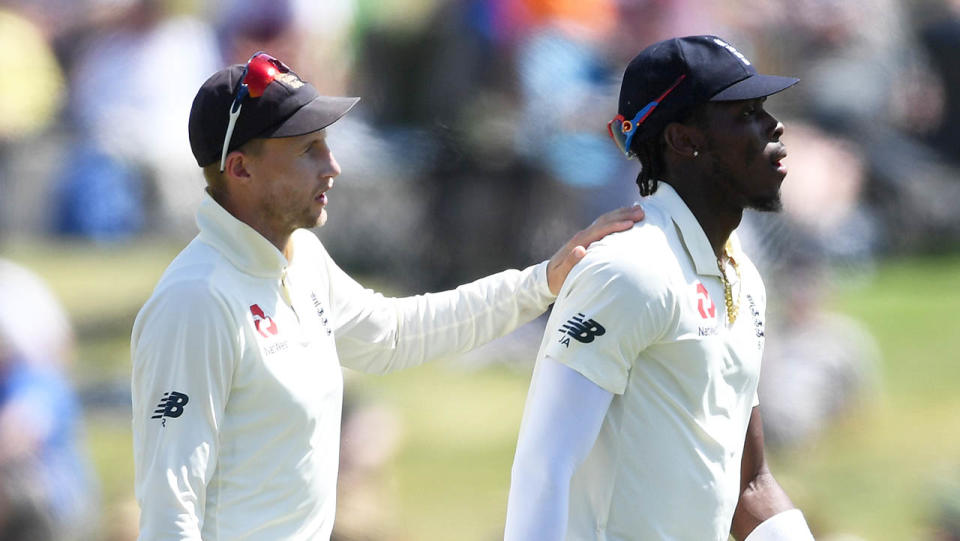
<point>482,123</point>
<point>481,143</point>
<point>47,492</point>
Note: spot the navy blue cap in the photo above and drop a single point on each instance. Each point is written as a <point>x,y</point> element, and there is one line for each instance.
<point>288,107</point>
<point>714,71</point>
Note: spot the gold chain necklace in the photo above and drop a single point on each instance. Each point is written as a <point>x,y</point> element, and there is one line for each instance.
<point>732,308</point>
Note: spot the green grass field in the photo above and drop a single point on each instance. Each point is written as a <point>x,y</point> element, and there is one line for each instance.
<point>874,475</point>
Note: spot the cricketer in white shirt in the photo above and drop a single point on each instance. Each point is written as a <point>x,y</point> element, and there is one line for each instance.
<point>237,383</point>
<point>664,387</point>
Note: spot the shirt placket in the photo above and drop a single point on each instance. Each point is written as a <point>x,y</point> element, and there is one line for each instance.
<point>287,292</point>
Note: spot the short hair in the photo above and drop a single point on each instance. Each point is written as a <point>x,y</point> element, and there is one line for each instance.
<point>650,151</point>
<point>216,180</point>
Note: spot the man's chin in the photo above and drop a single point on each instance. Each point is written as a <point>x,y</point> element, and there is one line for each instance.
<point>767,204</point>
<point>312,222</point>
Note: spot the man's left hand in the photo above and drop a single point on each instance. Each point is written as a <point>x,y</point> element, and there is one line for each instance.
<point>574,250</point>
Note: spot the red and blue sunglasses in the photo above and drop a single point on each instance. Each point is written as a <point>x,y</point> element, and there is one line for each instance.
<point>260,71</point>
<point>622,130</point>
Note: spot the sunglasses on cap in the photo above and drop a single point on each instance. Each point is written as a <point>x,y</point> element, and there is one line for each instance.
<point>260,71</point>
<point>622,130</point>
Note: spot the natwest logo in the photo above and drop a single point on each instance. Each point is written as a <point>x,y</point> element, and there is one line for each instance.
<point>265,325</point>
<point>705,304</point>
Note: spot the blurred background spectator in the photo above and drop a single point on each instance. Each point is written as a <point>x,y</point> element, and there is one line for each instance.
<point>45,488</point>
<point>481,119</point>
<point>480,143</point>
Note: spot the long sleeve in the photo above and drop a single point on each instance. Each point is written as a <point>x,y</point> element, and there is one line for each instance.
<point>379,334</point>
<point>184,349</point>
<point>564,414</point>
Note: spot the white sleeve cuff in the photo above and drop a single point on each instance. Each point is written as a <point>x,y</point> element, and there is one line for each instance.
<point>543,281</point>
<point>786,526</point>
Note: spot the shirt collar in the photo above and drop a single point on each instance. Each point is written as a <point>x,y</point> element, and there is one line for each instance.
<point>246,249</point>
<point>691,233</point>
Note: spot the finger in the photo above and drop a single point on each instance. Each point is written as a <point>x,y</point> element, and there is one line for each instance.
<point>634,213</point>
<point>567,257</point>
<point>598,231</point>
<point>575,256</point>
<point>575,249</point>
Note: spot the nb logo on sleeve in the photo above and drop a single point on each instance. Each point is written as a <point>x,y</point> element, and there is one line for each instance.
<point>171,405</point>
<point>580,329</point>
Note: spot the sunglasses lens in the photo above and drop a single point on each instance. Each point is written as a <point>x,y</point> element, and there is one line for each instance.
<point>261,71</point>
<point>615,129</point>
<point>621,129</point>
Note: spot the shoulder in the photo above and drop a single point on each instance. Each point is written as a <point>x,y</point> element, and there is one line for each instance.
<point>191,290</point>
<point>647,238</point>
<point>182,320</point>
<point>633,261</point>
<point>198,261</point>
<point>183,298</point>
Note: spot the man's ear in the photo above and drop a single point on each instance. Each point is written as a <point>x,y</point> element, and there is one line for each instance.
<point>236,170</point>
<point>683,140</point>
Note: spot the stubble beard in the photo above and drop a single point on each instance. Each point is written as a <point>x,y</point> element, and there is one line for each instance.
<point>766,204</point>
<point>291,219</point>
<point>729,187</point>
<point>308,220</point>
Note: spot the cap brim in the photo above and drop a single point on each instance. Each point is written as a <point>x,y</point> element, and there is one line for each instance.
<point>755,86</point>
<point>316,115</point>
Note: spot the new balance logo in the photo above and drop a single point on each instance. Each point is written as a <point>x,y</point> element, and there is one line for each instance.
<point>171,405</point>
<point>581,329</point>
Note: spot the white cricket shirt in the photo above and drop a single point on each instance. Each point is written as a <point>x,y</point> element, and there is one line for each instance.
<point>237,385</point>
<point>643,316</point>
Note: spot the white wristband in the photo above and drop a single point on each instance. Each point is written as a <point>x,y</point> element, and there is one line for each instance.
<point>785,526</point>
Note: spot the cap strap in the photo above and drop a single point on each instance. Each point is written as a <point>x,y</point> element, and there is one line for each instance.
<point>627,128</point>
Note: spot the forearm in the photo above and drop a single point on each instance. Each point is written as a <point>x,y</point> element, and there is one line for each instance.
<point>164,514</point>
<point>539,500</point>
<point>400,333</point>
<point>170,474</point>
<point>764,512</point>
<point>761,499</point>
<point>565,412</point>
<point>443,324</point>
<point>172,465</point>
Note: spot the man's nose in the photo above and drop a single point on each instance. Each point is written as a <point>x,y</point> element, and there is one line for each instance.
<point>777,128</point>
<point>333,166</point>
